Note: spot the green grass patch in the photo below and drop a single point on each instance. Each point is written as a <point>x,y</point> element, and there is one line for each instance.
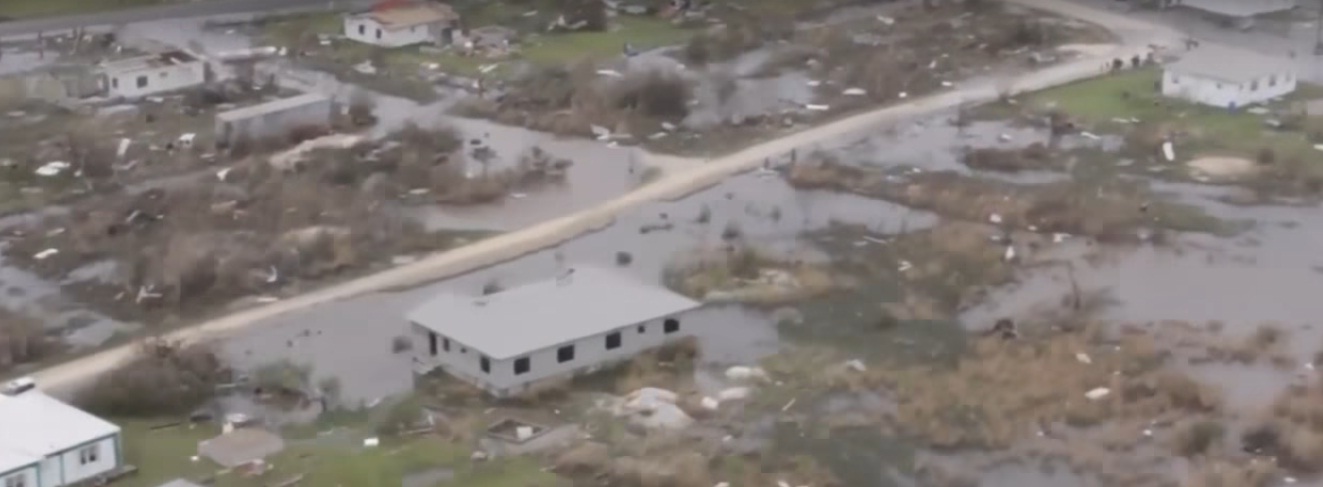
<point>1103,103</point>
<point>164,454</point>
<point>29,9</point>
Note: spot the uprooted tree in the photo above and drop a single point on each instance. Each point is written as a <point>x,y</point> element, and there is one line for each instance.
<point>164,378</point>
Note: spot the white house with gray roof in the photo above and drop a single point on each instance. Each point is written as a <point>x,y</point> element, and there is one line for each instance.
<point>514,341</point>
<point>47,443</point>
<point>1228,78</point>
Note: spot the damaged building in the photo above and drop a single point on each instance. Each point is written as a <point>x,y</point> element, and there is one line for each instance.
<point>274,119</point>
<point>396,23</point>
<point>154,73</point>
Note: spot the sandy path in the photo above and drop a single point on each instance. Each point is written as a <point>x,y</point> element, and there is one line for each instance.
<point>675,184</point>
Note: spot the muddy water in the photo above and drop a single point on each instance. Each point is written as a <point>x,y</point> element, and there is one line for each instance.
<point>351,339</point>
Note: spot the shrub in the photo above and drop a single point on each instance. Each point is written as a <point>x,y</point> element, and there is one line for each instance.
<point>165,378</point>
<point>653,94</point>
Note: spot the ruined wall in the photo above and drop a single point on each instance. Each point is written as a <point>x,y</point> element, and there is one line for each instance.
<point>275,123</point>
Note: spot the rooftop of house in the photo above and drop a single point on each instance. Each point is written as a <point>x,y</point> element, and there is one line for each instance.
<point>395,16</point>
<point>1240,8</point>
<point>1230,64</point>
<point>34,426</point>
<point>273,106</point>
<point>586,301</point>
<point>150,61</point>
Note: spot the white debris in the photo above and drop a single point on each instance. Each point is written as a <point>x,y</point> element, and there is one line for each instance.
<point>1168,151</point>
<point>1148,432</point>
<point>371,442</point>
<point>886,20</point>
<point>432,66</point>
<point>610,73</point>
<point>1098,393</point>
<point>947,84</point>
<point>653,409</point>
<point>710,404</point>
<point>817,108</point>
<point>43,255</point>
<point>1289,480</point>
<point>487,68</point>
<point>903,95</point>
<point>722,484</point>
<point>1090,135</point>
<point>1004,137</point>
<point>1059,237</point>
<point>856,365</point>
<point>740,372</point>
<point>1083,358</point>
<point>124,144</point>
<point>994,218</point>
<point>478,456</point>
<point>186,140</point>
<point>854,92</point>
<point>602,133</point>
<point>365,67</point>
<point>905,265</point>
<point>782,483</point>
<point>52,168</point>
<point>221,174</point>
<point>1010,253</point>
<point>733,394</point>
<point>668,126</point>
<point>814,83</point>
<point>523,432</point>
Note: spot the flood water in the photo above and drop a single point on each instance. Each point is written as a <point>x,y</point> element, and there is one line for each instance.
<point>1268,274</point>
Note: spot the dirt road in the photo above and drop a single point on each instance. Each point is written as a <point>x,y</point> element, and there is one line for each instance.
<point>1136,35</point>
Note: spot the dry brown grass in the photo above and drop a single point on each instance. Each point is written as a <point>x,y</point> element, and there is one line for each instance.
<point>744,274</point>
<point>1034,157</point>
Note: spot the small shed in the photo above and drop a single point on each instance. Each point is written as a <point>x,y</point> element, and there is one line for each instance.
<point>274,119</point>
<point>394,23</point>
<point>1228,78</point>
<point>156,73</point>
<point>514,341</point>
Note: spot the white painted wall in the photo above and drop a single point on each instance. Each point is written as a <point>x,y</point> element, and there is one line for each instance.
<point>87,461</point>
<point>72,466</point>
<point>26,477</point>
<point>590,355</point>
<point>1222,94</point>
<point>138,83</point>
<point>366,30</point>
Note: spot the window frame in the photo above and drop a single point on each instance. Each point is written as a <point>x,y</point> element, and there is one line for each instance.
<point>142,81</point>
<point>485,364</point>
<point>522,365</point>
<point>670,326</point>
<point>565,354</point>
<point>89,454</point>
<point>614,340</point>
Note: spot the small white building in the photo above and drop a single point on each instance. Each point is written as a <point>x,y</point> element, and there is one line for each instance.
<point>47,443</point>
<point>402,24</point>
<point>514,341</point>
<point>1228,78</point>
<point>152,74</point>
<point>1239,8</point>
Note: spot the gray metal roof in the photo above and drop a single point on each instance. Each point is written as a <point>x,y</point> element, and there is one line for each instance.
<point>270,107</point>
<point>179,483</point>
<point>1230,64</point>
<point>1240,8</point>
<point>543,314</point>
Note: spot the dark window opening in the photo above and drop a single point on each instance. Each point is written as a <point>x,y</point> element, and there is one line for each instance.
<point>445,344</point>
<point>521,365</point>
<point>114,82</point>
<point>378,33</point>
<point>671,325</point>
<point>142,81</point>
<point>613,341</point>
<point>362,29</point>
<point>565,354</point>
<point>431,343</point>
<point>643,329</point>
<point>486,365</point>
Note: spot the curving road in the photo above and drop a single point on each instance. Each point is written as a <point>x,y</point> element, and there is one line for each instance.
<point>1137,36</point>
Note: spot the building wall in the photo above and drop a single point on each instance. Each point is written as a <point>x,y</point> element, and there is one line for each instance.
<point>590,355</point>
<point>157,80</point>
<point>107,458</point>
<point>28,474</point>
<point>1223,94</point>
<point>366,30</point>
<point>275,124</point>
